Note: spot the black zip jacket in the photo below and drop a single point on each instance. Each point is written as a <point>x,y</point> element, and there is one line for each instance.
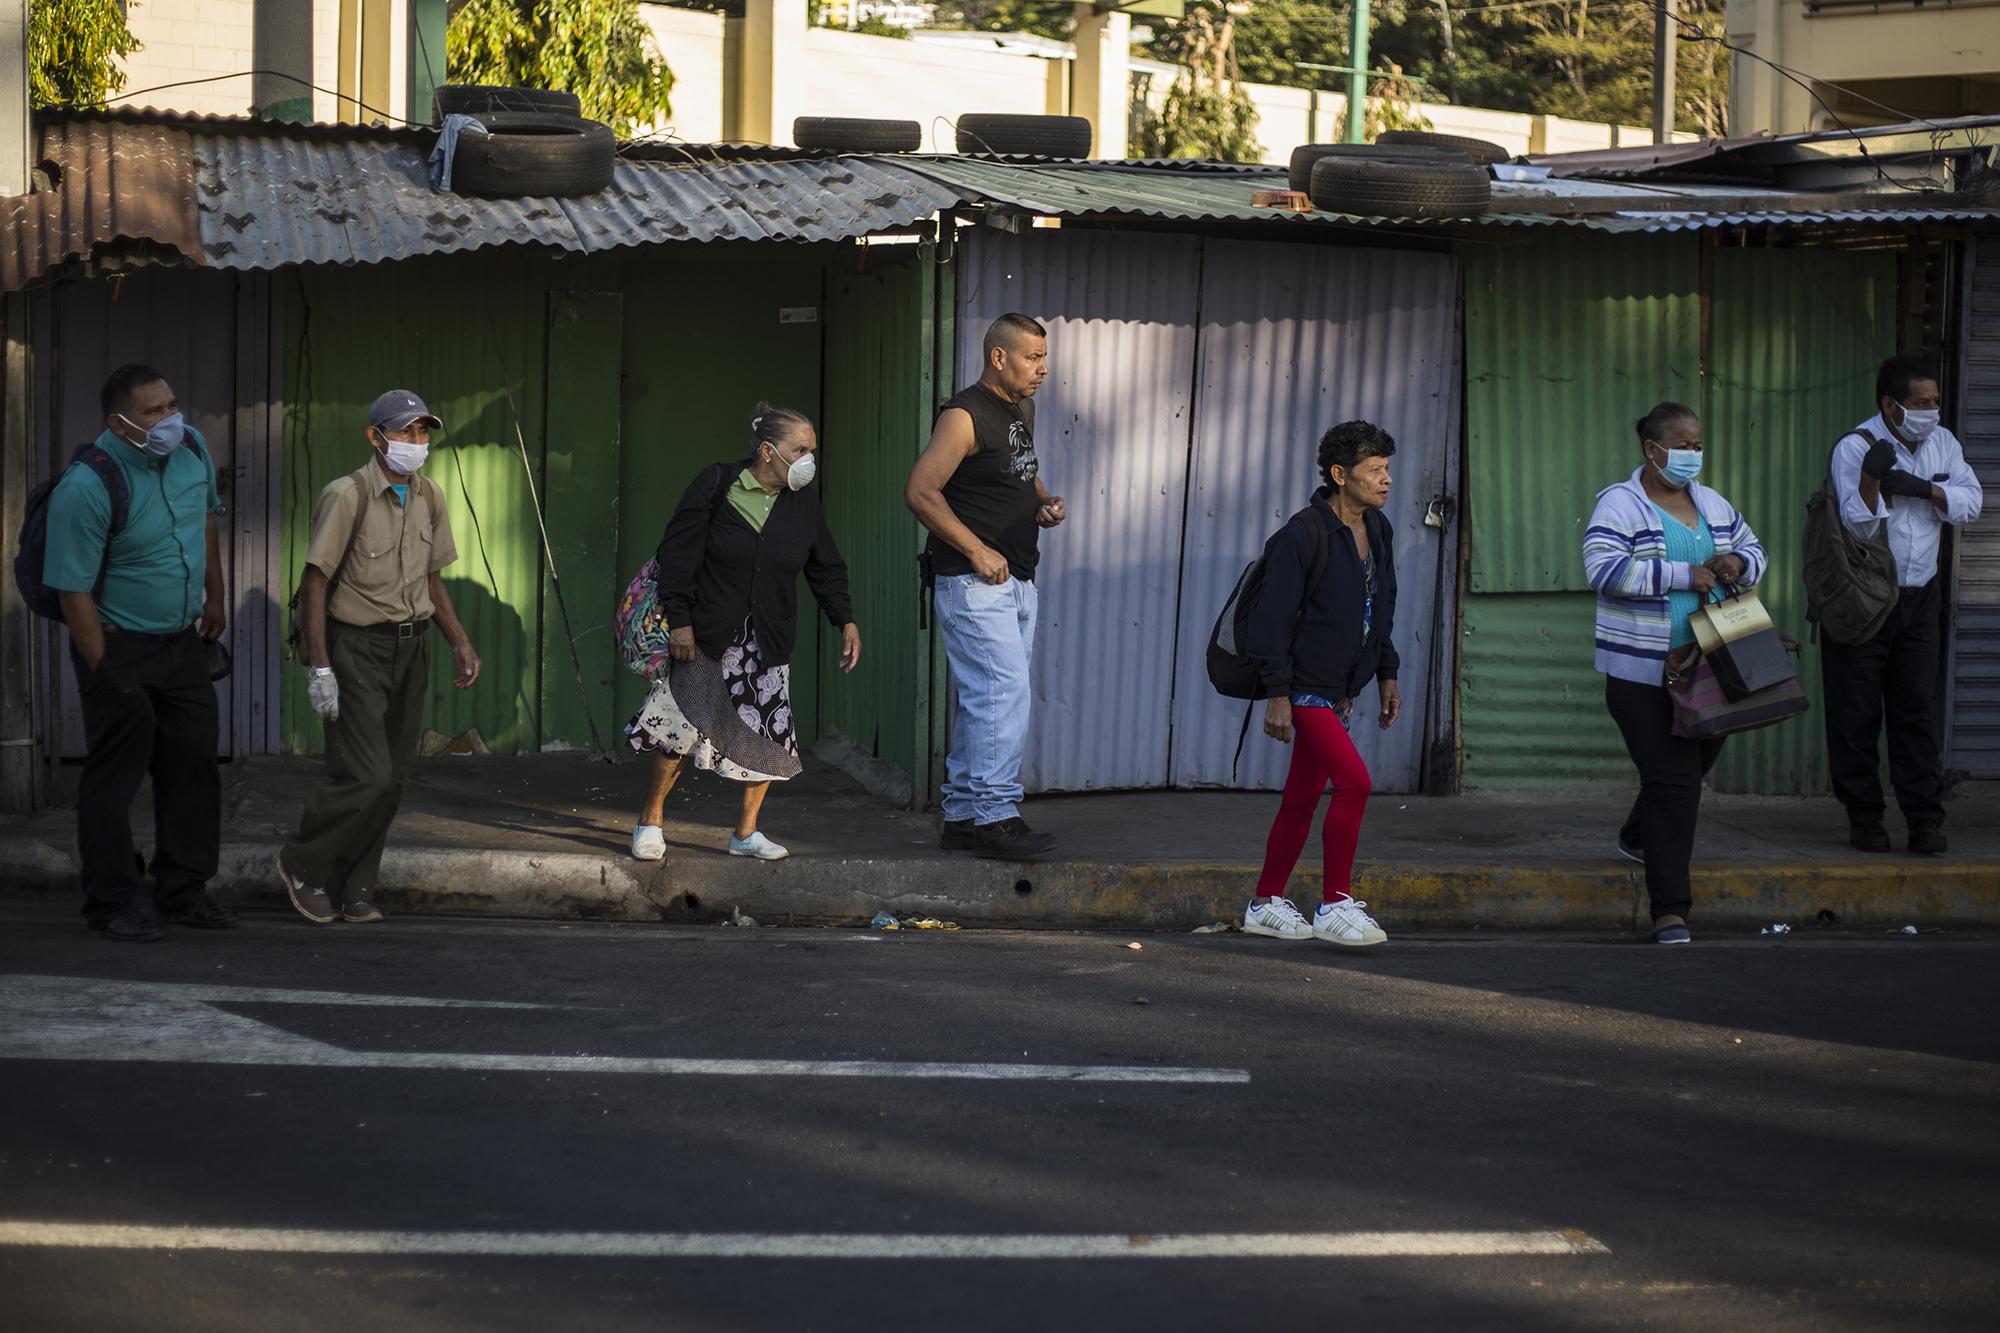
<point>1328,655</point>
<point>716,571</point>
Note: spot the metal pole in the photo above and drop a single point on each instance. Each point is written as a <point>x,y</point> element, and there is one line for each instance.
<point>14,131</point>
<point>19,781</point>
<point>1357,75</point>
<point>1666,34</point>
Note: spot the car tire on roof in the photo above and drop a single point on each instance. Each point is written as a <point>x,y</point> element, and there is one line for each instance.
<point>1306,156</point>
<point>525,155</point>
<point>850,134</point>
<point>1482,151</point>
<point>1400,189</point>
<point>1023,136</point>
<point>472,99</point>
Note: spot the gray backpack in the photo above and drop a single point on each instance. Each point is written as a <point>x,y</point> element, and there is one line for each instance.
<point>1850,581</point>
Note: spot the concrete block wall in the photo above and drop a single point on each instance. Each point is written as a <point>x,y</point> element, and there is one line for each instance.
<point>190,39</point>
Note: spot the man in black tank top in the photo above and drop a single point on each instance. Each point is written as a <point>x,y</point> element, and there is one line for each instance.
<point>978,488</point>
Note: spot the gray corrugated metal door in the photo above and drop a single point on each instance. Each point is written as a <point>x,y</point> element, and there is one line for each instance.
<point>1975,708</point>
<point>1295,339</point>
<point>1111,429</point>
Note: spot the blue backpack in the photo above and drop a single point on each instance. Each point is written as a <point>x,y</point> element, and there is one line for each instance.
<point>43,600</point>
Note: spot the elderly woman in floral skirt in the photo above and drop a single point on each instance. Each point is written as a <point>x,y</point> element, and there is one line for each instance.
<point>727,589</point>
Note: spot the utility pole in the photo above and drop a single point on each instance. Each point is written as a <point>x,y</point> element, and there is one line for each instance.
<point>13,97</point>
<point>1357,75</point>
<point>1666,34</point>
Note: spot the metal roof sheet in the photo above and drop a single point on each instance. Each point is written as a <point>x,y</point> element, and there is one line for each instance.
<point>110,186</point>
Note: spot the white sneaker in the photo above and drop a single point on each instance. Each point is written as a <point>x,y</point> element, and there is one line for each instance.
<point>1345,923</point>
<point>757,845</point>
<point>1277,918</point>
<point>649,843</point>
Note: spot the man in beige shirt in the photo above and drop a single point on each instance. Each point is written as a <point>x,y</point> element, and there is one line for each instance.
<point>367,598</point>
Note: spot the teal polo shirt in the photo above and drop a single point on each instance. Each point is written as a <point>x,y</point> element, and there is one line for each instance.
<point>154,580</point>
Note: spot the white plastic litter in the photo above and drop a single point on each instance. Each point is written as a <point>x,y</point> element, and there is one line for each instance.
<point>1777,928</point>
<point>1909,930</point>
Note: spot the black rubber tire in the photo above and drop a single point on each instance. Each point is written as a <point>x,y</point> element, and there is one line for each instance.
<point>1307,155</point>
<point>534,156</point>
<point>1023,136</point>
<point>471,99</point>
<point>1482,151</point>
<point>1400,189</point>
<point>848,134</point>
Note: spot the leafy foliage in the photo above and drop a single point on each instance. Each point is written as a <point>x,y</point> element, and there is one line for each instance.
<point>73,51</point>
<point>601,50</point>
<point>1206,112</point>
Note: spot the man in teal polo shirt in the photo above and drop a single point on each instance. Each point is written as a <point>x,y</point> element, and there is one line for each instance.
<point>141,604</point>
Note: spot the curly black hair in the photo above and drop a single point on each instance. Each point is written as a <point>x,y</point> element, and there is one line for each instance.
<point>1351,441</point>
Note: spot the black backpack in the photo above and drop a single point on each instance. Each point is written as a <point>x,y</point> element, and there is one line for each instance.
<point>32,553</point>
<point>1850,581</point>
<point>1229,667</point>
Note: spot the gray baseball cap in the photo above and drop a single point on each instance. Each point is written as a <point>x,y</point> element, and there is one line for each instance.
<point>399,409</point>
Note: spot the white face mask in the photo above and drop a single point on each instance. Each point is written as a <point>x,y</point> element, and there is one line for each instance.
<point>403,457</point>
<point>1918,425</point>
<point>800,472</point>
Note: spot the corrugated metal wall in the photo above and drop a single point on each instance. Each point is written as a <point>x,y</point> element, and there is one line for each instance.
<point>880,393</point>
<point>1975,717</point>
<point>1111,431</point>
<point>1794,336</point>
<point>455,330</point>
<point>1295,339</point>
<point>708,334</point>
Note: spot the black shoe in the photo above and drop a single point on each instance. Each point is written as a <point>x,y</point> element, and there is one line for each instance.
<point>1011,840</point>
<point>201,912</point>
<point>1868,837</point>
<point>130,926</point>
<point>1927,839</point>
<point>1630,853</point>
<point>956,836</point>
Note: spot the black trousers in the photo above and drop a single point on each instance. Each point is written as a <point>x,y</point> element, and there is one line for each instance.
<point>1896,673</point>
<point>1671,769</point>
<point>148,709</point>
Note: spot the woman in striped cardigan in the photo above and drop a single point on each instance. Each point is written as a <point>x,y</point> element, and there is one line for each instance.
<point>1657,545</point>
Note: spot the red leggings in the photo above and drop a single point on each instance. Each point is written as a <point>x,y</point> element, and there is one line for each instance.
<point>1322,752</point>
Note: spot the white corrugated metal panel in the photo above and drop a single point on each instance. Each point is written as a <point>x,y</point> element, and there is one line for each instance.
<point>1975,709</point>
<point>1296,339</point>
<point>1112,433</point>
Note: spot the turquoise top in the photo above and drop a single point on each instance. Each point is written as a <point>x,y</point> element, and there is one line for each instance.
<point>155,580</point>
<point>1690,546</point>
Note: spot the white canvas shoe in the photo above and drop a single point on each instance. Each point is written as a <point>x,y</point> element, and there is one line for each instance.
<point>649,843</point>
<point>757,845</point>
<point>1345,923</point>
<point>1277,918</point>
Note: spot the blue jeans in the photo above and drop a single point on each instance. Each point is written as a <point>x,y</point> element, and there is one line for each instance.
<point>989,639</point>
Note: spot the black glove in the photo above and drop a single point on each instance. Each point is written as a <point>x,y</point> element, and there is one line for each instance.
<point>1905,483</point>
<point>1881,456</point>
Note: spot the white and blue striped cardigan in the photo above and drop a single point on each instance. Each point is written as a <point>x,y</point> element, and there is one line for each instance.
<point>1625,558</point>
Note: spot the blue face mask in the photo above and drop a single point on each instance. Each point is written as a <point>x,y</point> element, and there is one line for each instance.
<point>1683,466</point>
<point>164,437</point>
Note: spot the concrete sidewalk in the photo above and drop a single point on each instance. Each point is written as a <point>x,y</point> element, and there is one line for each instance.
<point>547,836</point>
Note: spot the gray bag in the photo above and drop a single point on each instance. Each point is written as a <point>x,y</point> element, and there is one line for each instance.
<point>1850,581</point>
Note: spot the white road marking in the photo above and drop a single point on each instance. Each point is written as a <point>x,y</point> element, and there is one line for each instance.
<point>79,1018</point>
<point>737,1245</point>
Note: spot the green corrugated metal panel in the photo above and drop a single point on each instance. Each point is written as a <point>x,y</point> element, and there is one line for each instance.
<point>706,336</point>
<point>580,506</point>
<point>880,394</point>
<point>1796,337</point>
<point>454,329</point>
<point>1567,343</point>
<point>1532,706</point>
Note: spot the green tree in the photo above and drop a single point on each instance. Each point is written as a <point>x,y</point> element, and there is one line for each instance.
<point>74,47</point>
<point>601,50</point>
<point>1043,18</point>
<point>1206,112</point>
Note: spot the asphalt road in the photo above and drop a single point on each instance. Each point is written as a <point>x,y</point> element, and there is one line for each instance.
<point>684,1128</point>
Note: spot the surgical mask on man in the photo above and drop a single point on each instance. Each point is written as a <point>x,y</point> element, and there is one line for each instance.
<point>800,472</point>
<point>165,436</point>
<point>402,456</point>
<point>1918,424</point>
<point>1683,466</point>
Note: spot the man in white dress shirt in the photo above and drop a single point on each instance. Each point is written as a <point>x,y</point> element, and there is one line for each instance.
<point>1903,470</point>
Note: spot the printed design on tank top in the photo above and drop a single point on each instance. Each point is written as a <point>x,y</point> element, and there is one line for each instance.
<point>1021,449</point>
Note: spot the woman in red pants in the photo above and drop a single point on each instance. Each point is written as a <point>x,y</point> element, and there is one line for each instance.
<point>1316,643</point>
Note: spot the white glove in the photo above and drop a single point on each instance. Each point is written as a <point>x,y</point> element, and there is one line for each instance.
<point>324,691</point>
